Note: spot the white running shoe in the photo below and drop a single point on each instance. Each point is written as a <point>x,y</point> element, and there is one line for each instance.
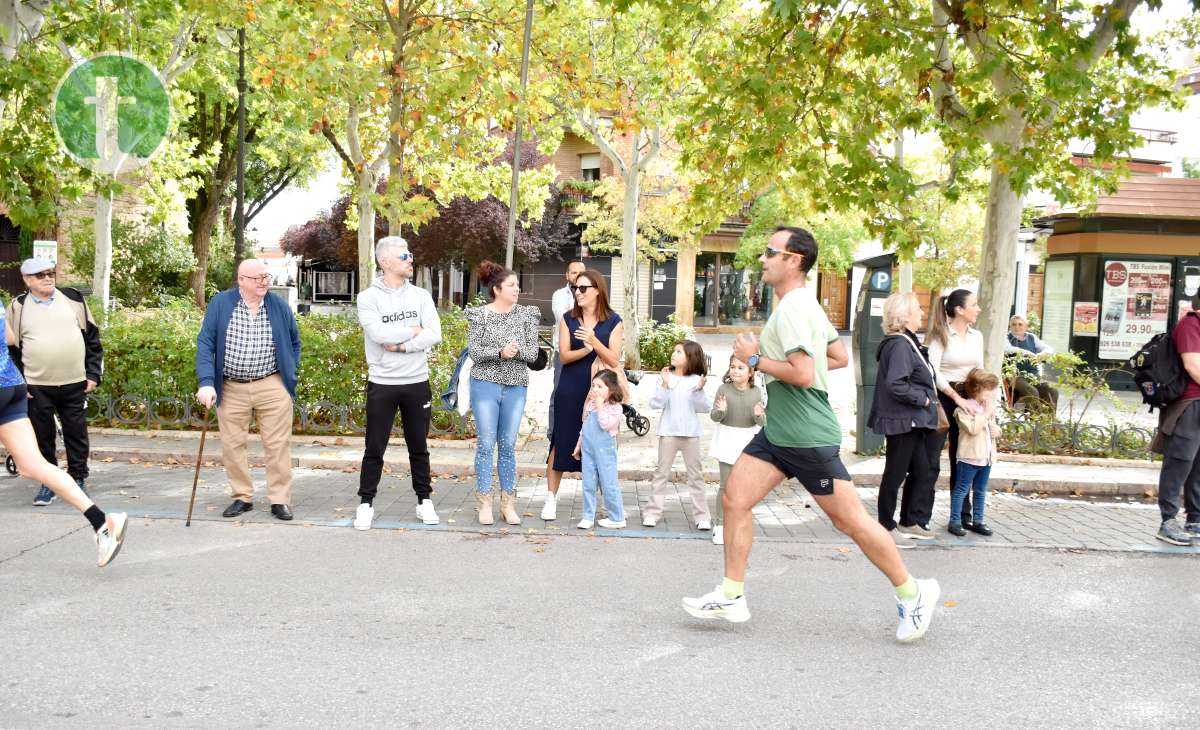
<point>916,615</point>
<point>649,521</point>
<point>704,525</point>
<point>585,524</point>
<point>364,516</point>
<point>110,537</point>
<point>719,535</point>
<point>426,513</point>
<point>611,524</point>
<point>550,507</point>
<point>716,605</point>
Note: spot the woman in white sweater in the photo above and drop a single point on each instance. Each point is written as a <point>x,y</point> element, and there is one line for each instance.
<point>955,349</point>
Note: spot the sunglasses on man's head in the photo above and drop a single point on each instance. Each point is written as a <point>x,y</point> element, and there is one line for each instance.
<point>582,288</point>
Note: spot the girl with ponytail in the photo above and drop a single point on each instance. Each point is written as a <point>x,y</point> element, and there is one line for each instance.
<point>955,349</point>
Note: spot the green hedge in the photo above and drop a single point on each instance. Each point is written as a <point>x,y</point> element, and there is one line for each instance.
<point>656,341</point>
<point>152,354</point>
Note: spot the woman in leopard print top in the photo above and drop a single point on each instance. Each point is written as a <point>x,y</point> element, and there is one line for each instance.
<point>502,341</point>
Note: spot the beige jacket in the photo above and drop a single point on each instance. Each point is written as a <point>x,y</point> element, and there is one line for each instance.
<point>973,439</point>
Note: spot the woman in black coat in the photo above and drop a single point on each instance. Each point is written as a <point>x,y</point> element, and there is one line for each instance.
<point>905,412</point>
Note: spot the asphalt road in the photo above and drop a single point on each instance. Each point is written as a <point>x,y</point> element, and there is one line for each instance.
<point>273,625</point>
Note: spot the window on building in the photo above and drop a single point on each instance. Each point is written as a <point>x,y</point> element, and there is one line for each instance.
<point>589,166</point>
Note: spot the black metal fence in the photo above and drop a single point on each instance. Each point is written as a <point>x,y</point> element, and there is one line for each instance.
<point>322,417</point>
<point>1077,439</point>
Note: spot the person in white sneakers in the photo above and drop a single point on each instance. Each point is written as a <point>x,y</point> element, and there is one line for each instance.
<point>801,440</point>
<point>400,326</point>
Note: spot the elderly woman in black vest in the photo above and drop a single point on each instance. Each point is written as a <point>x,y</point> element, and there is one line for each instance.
<point>905,412</point>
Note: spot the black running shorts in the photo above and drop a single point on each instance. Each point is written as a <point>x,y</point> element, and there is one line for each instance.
<point>13,405</point>
<point>815,468</point>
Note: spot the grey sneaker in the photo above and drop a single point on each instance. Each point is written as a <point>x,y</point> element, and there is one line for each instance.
<point>1193,529</point>
<point>1172,533</point>
<point>915,532</point>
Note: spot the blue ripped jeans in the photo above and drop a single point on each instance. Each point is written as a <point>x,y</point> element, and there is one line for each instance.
<point>498,411</point>
<point>600,468</point>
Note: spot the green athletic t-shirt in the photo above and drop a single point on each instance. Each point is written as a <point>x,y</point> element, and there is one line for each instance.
<point>800,417</point>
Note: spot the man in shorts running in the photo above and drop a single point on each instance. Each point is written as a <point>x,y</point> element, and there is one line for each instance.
<point>801,441</point>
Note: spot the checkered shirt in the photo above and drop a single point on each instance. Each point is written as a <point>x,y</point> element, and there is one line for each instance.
<point>249,347</point>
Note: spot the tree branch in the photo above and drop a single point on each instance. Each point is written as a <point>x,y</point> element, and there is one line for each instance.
<point>174,65</point>
<point>950,108</point>
<point>328,134</point>
<point>594,129</point>
<point>652,150</point>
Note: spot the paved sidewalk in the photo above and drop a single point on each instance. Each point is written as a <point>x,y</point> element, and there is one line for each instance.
<point>638,458</point>
<point>325,497</point>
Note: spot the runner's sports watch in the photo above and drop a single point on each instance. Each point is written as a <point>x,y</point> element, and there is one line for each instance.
<point>753,361</point>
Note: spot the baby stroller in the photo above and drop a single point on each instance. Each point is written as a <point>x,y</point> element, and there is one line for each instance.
<point>637,423</point>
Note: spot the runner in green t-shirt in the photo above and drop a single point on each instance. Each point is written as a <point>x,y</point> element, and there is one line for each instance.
<point>802,438</point>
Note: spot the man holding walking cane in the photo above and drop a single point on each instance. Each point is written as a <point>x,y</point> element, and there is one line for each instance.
<point>247,354</point>
<point>400,326</point>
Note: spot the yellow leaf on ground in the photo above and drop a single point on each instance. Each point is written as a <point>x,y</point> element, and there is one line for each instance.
<point>950,604</point>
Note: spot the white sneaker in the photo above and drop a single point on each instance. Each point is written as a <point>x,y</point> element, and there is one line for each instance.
<point>704,525</point>
<point>110,537</point>
<point>916,615</point>
<point>649,521</point>
<point>426,513</point>
<point>716,605</point>
<point>585,524</point>
<point>611,524</point>
<point>363,516</point>
<point>719,535</point>
<point>550,507</point>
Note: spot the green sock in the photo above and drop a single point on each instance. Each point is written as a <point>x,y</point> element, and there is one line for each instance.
<point>907,590</point>
<point>735,588</point>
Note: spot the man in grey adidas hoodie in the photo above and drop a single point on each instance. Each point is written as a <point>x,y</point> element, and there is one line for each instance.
<point>400,325</point>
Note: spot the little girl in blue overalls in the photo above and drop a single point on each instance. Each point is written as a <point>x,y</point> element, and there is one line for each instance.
<point>597,449</point>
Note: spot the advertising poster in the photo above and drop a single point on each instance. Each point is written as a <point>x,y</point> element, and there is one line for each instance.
<point>1135,304</point>
<point>1056,304</point>
<point>1087,319</point>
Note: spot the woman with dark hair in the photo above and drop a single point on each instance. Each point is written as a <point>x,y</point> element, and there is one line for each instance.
<point>502,341</point>
<point>955,349</point>
<point>592,331</point>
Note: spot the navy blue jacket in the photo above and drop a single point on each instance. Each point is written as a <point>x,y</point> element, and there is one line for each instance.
<point>904,390</point>
<point>210,345</point>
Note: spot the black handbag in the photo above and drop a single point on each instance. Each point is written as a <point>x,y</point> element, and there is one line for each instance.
<point>541,361</point>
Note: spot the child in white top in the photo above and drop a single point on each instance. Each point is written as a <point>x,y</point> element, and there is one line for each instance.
<point>739,412</point>
<point>681,396</point>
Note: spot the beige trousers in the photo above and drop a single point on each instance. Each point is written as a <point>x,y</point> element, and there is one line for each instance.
<point>668,446</point>
<point>268,402</point>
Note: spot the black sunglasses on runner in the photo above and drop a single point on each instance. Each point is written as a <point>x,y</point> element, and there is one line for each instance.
<point>773,252</point>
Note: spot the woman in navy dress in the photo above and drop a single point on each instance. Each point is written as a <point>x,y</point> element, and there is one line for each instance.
<point>592,331</point>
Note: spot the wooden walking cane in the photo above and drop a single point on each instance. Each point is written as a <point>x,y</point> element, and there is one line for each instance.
<point>199,458</point>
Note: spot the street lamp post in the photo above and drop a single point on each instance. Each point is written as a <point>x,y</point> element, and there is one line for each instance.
<point>239,226</point>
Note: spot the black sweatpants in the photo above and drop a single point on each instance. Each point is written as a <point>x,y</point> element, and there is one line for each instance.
<point>68,402</point>
<point>1180,471</point>
<point>948,405</point>
<point>414,402</point>
<point>909,456</point>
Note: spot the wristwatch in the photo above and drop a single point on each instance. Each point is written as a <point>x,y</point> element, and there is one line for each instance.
<point>752,361</point>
